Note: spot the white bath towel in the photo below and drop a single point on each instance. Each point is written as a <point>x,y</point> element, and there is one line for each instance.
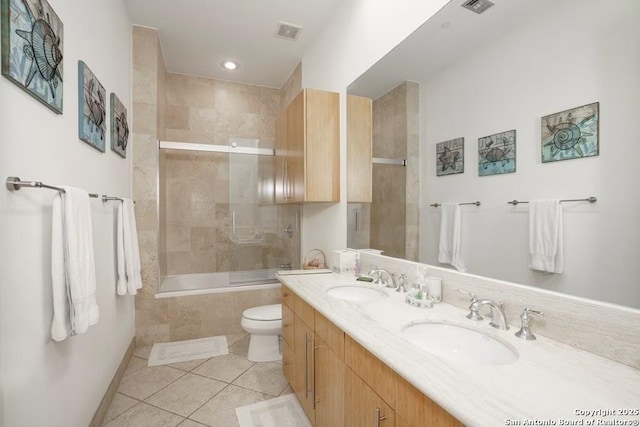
<point>129,278</point>
<point>450,236</point>
<point>545,235</point>
<point>73,274</point>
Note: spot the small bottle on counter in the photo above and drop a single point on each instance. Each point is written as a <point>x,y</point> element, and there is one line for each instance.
<point>356,267</point>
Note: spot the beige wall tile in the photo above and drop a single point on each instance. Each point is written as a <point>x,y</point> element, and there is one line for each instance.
<point>178,238</point>
<point>237,98</point>
<point>177,117</point>
<point>148,335</point>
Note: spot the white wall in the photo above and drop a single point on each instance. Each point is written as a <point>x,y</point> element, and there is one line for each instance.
<point>359,34</point>
<point>578,53</point>
<point>44,383</point>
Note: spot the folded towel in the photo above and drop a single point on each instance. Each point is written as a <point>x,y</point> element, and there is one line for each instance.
<point>131,251</point>
<point>450,236</point>
<point>73,274</point>
<point>545,236</point>
<point>121,286</point>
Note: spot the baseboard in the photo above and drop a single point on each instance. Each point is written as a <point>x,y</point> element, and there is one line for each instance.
<point>100,413</point>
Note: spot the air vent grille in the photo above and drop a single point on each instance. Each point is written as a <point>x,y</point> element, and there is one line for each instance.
<point>477,6</point>
<point>288,31</point>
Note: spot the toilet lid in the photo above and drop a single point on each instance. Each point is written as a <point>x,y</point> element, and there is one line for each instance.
<point>264,312</point>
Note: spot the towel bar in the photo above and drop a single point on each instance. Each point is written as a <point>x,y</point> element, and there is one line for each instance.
<point>588,199</point>
<point>437,205</point>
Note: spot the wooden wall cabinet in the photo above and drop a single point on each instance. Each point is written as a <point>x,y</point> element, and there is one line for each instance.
<point>359,149</point>
<point>308,149</point>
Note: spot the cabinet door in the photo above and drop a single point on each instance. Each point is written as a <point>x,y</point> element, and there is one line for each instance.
<point>288,364</point>
<point>322,146</point>
<point>415,409</point>
<point>296,125</point>
<point>329,386</point>
<point>281,158</point>
<point>359,149</point>
<point>303,366</point>
<point>363,407</point>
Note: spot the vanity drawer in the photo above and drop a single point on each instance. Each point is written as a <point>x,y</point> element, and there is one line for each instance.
<point>368,367</point>
<point>287,297</point>
<point>288,333</point>
<point>304,311</point>
<point>331,334</point>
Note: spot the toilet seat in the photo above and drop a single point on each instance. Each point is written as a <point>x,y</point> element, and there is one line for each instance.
<point>264,313</point>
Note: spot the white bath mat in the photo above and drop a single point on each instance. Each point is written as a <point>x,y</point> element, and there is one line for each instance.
<point>183,351</point>
<point>283,411</point>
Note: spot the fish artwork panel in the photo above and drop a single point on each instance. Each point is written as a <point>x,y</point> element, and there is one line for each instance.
<point>92,108</point>
<point>119,127</point>
<point>571,134</point>
<point>497,153</point>
<point>450,157</point>
<point>32,46</point>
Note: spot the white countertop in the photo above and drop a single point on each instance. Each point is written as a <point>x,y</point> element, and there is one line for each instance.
<point>549,381</point>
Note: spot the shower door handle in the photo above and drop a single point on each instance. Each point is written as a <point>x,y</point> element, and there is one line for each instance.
<point>285,179</point>
<point>357,222</point>
<point>233,222</point>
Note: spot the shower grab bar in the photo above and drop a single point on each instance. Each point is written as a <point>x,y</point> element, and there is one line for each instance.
<point>588,199</point>
<point>385,161</point>
<point>437,205</point>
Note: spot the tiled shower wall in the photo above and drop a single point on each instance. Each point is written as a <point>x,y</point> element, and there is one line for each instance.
<point>394,211</point>
<point>182,232</point>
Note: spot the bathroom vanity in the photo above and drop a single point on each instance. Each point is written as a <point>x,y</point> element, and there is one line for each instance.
<point>348,362</point>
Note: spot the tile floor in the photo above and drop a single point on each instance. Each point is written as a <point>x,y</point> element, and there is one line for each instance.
<point>198,393</point>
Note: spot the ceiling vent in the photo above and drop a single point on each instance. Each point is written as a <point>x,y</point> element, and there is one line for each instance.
<point>288,31</point>
<point>477,6</point>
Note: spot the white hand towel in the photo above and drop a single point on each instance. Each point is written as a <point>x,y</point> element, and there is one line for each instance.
<point>121,286</point>
<point>131,249</point>
<point>61,325</point>
<point>450,236</point>
<point>545,236</point>
<point>72,235</point>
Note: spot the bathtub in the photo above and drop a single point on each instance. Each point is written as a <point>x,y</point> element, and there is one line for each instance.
<point>212,283</point>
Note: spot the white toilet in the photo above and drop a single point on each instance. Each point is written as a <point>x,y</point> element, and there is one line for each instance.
<point>264,323</point>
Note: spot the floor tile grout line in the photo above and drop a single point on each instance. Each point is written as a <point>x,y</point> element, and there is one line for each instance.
<point>212,397</point>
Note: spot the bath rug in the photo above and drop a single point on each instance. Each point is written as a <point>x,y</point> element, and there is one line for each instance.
<point>184,351</point>
<point>283,411</point>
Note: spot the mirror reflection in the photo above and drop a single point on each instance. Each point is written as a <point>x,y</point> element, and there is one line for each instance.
<point>468,75</point>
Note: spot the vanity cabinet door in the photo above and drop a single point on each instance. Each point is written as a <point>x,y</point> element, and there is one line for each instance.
<point>288,364</point>
<point>414,409</point>
<point>303,366</point>
<point>363,407</point>
<point>329,386</point>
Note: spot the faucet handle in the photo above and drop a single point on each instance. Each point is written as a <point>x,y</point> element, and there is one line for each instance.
<point>471,294</point>
<point>496,313</point>
<point>525,332</point>
<point>473,312</point>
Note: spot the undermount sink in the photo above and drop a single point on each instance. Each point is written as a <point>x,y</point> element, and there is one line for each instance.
<point>459,343</point>
<point>356,293</point>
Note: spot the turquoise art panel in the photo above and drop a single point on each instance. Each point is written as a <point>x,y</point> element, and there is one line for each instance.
<point>497,153</point>
<point>32,45</point>
<point>92,109</point>
<point>571,134</point>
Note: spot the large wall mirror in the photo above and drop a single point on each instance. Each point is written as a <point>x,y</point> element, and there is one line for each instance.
<point>475,75</point>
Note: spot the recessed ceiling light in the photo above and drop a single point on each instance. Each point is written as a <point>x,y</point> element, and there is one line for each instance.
<point>229,65</point>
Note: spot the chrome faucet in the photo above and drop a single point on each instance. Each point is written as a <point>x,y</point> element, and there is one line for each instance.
<point>377,273</point>
<point>498,317</point>
<point>402,284</point>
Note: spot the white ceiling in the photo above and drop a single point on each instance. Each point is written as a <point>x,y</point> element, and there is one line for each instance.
<point>196,35</point>
<point>432,47</point>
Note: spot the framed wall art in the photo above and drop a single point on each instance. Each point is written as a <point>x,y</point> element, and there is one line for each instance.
<point>450,157</point>
<point>92,111</point>
<point>497,153</point>
<point>119,127</point>
<point>32,42</point>
<point>571,134</point>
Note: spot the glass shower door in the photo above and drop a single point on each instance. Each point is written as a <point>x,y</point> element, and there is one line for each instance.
<point>259,246</point>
